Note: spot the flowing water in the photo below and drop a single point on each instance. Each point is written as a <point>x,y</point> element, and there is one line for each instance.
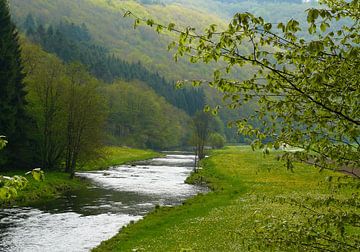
<point>80,220</point>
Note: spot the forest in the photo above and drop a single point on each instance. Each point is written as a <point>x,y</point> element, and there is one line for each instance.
<point>120,112</point>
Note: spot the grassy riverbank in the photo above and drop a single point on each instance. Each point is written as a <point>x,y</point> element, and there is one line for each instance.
<point>256,204</point>
<point>56,182</point>
<point>118,155</point>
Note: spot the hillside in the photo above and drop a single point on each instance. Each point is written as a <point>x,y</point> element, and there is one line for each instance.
<point>116,37</point>
<point>113,35</point>
<point>134,114</point>
<point>106,24</point>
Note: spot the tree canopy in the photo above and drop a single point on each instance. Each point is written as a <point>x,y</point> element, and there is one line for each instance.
<point>308,90</point>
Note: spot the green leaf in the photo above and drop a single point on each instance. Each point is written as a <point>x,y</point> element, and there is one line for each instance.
<point>4,193</point>
<point>150,22</point>
<point>313,14</point>
<point>38,174</point>
<point>323,27</point>
<point>171,26</point>
<point>267,26</point>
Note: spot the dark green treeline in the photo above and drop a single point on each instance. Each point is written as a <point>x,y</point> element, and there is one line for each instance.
<point>13,119</point>
<point>72,42</point>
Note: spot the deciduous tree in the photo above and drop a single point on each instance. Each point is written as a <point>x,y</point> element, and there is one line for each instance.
<point>86,114</point>
<point>202,126</point>
<point>45,82</point>
<point>307,89</point>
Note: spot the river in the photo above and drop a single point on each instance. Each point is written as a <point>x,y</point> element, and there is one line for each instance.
<point>80,220</point>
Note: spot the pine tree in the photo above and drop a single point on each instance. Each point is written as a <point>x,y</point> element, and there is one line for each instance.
<point>29,24</point>
<point>12,94</point>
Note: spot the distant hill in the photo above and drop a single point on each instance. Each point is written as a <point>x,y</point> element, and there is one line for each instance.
<point>104,19</point>
<point>114,37</point>
<point>72,42</point>
<point>109,29</point>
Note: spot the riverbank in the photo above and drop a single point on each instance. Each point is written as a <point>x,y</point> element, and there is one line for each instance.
<point>56,183</point>
<point>256,204</point>
<point>113,155</point>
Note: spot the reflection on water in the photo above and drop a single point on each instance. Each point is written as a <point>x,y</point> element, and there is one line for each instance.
<point>82,219</point>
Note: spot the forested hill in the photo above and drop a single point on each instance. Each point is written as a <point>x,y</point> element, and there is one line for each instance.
<point>72,42</point>
<point>105,22</point>
<point>112,49</point>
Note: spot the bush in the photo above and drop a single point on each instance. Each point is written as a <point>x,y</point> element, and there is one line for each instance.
<point>216,141</point>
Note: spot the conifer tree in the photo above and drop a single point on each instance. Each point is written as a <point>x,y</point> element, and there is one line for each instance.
<point>12,94</point>
<point>29,24</point>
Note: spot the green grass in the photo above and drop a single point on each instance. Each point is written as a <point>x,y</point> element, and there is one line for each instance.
<point>55,184</point>
<point>251,195</point>
<point>118,155</point>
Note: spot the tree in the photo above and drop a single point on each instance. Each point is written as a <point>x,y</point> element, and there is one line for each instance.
<point>86,113</point>
<point>202,126</point>
<point>12,95</point>
<point>67,108</point>
<point>71,42</point>
<point>308,89</point>
<point>139,117</point>
<point>29,24</point>
<point>216,140</point>
<point>45,82</point>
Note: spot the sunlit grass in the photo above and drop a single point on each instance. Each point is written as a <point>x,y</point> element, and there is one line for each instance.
<point>115,155</point>
<point>249,194</point>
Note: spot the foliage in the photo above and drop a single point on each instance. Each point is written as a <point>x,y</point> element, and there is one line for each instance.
<point>216,141</point>
<point>35,192</point>
<point>202,123</point>
<point>255,205</point>
<point>110,32</point>
<point>140,118</point>
<point>307,90</point>
<point>37,174</point>
<point>68,110</point>
<point>137,116</point>
<point>108,29</point>
<point>45,82</point>
<point>9,186</point>
<point>71,42</point>
<point>12,95</point>
<point>3,142</point>
<point>85,113</point>
<point>114,44</point>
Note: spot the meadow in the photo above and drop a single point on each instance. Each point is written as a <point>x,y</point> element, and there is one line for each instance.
<point>255,204</point>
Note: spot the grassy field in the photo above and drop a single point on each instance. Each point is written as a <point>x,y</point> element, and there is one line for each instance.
<point>118,155</point>
<point>255,205</point>
<point>56,182</point>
